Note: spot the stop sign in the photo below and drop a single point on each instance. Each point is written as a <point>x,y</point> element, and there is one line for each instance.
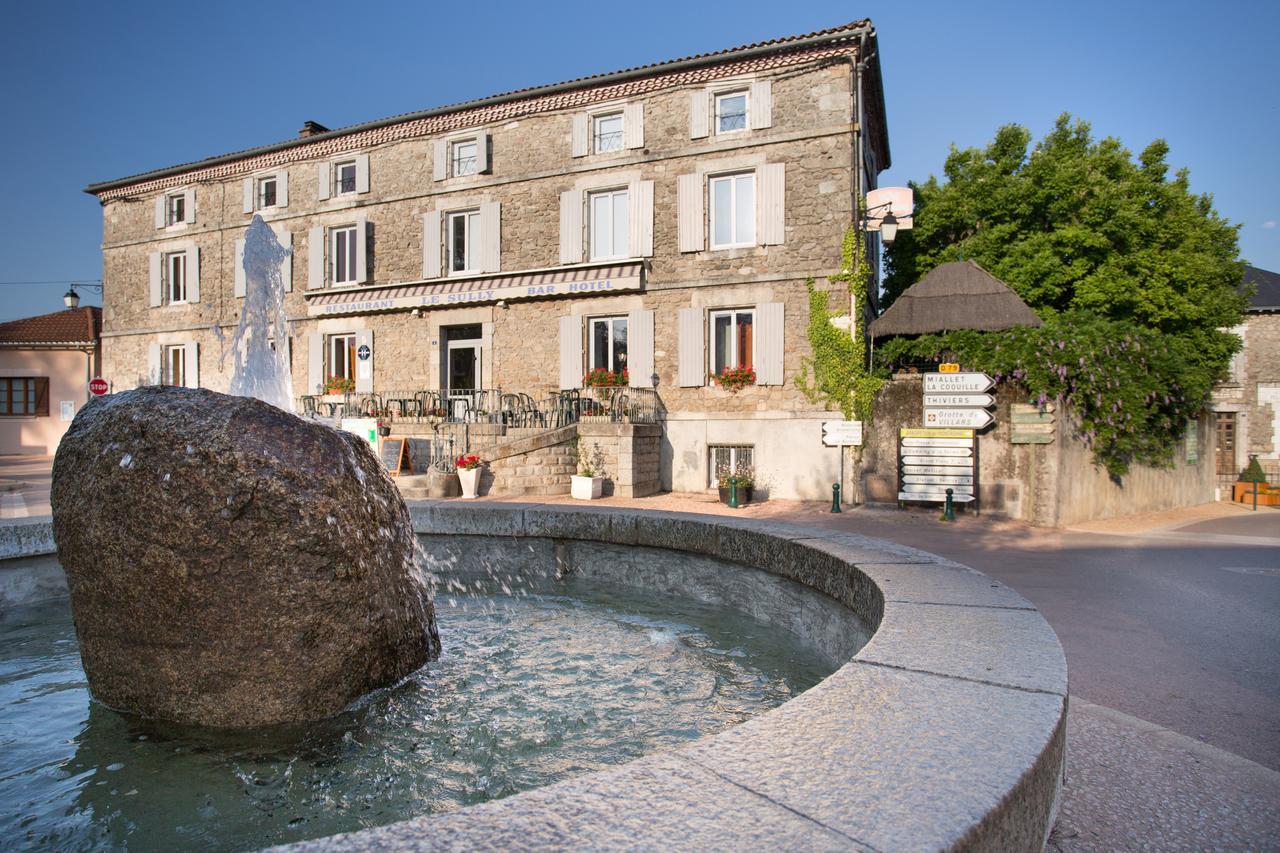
<point>98,386</point>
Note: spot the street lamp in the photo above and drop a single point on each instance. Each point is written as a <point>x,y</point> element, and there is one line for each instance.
<point>888,229</point>
<point>71,299</point>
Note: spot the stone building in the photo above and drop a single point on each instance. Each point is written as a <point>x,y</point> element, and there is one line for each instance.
<point>1246,407</point>
<point>661,219</point>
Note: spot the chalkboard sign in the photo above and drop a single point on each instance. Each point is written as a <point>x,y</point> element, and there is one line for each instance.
<point>395,456</point>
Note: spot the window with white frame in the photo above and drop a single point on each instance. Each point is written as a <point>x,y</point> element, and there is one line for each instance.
<point>609,224</point>
<point>462,234</point>
<point>731,111</point>
<point>175,278</point>
<point>608,343</point>
<point>267,192</point>
<point>726,459</point>
<point>344,177</point>
<point>606,132</point>
<point>464,157</point>
<point>173,365</point>
<point>733,210</point>
<point>340,357</point>
<point>175,206</point>
<point>732,339</point>
<point>343,254</point>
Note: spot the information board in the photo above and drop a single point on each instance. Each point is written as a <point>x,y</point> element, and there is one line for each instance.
<point>395,456</point>
<point>930,461</point>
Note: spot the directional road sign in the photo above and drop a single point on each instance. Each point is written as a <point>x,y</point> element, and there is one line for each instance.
<point>838,433</point>
<point>972,418</point>
<point>939,495</point>
<point>957,383</point>
<point>973,401</point>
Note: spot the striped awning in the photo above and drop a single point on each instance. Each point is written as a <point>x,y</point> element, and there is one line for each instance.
<point>449,292</point>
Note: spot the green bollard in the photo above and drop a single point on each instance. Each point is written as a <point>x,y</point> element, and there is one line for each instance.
<point>949,511</point>
<point>835,497</point>
<point>733,494</point>
<point>1255,496</point>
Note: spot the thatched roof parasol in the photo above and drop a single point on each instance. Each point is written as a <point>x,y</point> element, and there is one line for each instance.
<point>958,295</point>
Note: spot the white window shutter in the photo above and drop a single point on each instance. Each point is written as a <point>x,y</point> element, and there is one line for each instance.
<point>282,189</point>
<point>761,108</point>
<point>440,160</point>
<point>364,367</point>
<point>771,212</point>
<point>571,352</point>
<point>324,179</point>
<point>490,236</point>
<point>483,154</point>
<point>193,272</point>
<point>578,134</point>
<point>285,237</point>
<point>571,228</point>
<point>193,364</point>
<point>431,244</point>
<point>248,195</point>
<point>640,218</point>
<point>633,125</point>
<point>154,261</point>
<point>362,173</point>
<point>315,363</point>
<point>693,358</point>
<point>699,115</point>
<point>155,373</point>
<point>160,211</point>
<point>640,349</point>
<point>693,231</point>
<point>362,249</point>
<point>315,258</point>
<point>769,343</point>
<point>239,278</point>
<point>189,207</point>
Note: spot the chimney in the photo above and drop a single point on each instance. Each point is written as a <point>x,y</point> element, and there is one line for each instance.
<point>311,128</point>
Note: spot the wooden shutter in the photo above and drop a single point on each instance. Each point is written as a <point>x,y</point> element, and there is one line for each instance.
<point>578,135</point>
<point>42,396</point>
<point>248,195</point>
<point>771,204</point>
<point>192,356</point>
<point>364,369</point>
<point>571,228</point>
<point>699,115</point>
<point>193,272</point>
<point>761,108</point>
<point>239,278</point>
<point>189,207</point>
<point>155,374</point>
<point>693,231</point>
<point>362,249</point>
<point>484,156</point>
<point>285,237</point>
<point>769,343</point>
<point>440,160</point>
<point>324,180</point>
<point>282,189</point>
<point>362,173</point>
<point>490,236</point>
<point>154,261</point>
<point>431,244</point>
<point>640,216</point>
<point>315,363</point>
<point>160,211</point>
<point>693,357</point>
<point>315,258</point>
<point>571,352</point>
<point>633,125</point>
<point>640,348</point>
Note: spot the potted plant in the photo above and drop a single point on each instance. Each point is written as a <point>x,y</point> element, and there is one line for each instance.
<point>338,385</point>
<point>602,378</point>
<point>1252,479</point>
<point>469,474</point>
<point>588,483</point>
<point>734,379</point>
<point>743,478</point>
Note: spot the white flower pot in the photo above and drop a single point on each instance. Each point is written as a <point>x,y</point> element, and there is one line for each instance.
<point>470,481</point>
<point>586,488</point>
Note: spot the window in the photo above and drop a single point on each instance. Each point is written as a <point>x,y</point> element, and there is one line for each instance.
<point>175,209</point>
<point>607,132</point>
<point>609,225</point>
<point>732,339</point>
<point>731,112</point>
<point>463,234</point>
<point>340,357</point>
<point>24,396</point>
<point>728,459</point>
<point>344,254</point>
<point>733,210</point>
<point>267,189</point>
<point>344,177</point>
<point>608,338</point>
<point>175,278</point>
<point>464,157</point>
<point>173,361</point>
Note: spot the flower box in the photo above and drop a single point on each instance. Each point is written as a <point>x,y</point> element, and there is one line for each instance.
<point>586,488</point>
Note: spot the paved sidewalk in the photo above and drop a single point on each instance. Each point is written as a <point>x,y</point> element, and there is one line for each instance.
<point>24,486</point>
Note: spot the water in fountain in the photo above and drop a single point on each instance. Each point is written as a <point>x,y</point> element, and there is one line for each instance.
<point>261,366</point>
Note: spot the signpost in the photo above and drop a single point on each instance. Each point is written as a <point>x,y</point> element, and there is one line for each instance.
<point>957,383</point>
<point>930,461</point>
<point>1031,424</point>
<point>98,386</point>
<point>968,418</point>
<point>842,433</point>
<point>980,401</point>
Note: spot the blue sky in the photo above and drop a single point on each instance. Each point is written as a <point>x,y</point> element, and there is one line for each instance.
<point>94,91</point>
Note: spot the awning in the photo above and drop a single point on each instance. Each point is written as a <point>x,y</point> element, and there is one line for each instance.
<point>448,292</point>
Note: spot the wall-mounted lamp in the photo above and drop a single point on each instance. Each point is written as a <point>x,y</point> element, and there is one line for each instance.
<point>71,299</point>
<point>889,211</point>
<point>416,312</point>
<point>502,303</point>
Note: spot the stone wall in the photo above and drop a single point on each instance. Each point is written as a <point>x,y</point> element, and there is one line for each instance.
<point>1252,393</point>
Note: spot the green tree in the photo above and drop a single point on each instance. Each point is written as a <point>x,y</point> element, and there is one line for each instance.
<point>1090,238</point>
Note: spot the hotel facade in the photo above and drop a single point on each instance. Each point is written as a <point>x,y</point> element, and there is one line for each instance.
<point>661,220</point>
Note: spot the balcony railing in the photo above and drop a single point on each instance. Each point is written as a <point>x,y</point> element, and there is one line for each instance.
<point>491,405</point>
